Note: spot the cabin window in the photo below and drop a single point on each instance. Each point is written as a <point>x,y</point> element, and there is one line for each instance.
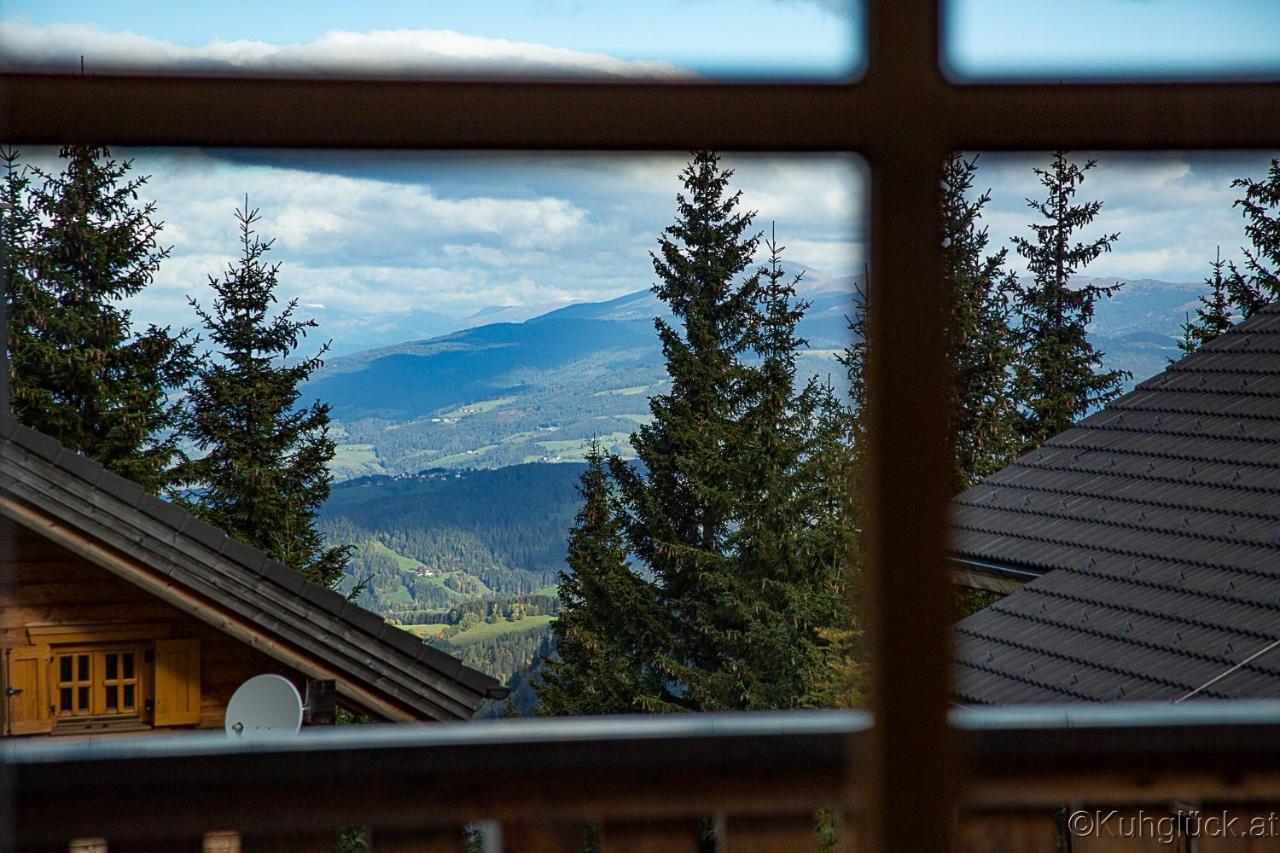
<point>88,683</point>
<point>102,682</point>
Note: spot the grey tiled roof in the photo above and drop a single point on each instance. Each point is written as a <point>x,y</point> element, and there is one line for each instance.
<point>202,560</point>
<point>1154,527</point>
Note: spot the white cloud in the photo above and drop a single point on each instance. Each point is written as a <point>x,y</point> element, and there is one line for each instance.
<point>377,238</point>
<point>1172,209</point>
<point>837,8</point>
<point>58,47</point>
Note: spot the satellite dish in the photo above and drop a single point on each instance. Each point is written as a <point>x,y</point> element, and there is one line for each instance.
<point>264,706</point>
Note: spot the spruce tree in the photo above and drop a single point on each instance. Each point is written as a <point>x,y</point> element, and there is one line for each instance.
<point>1213,314</point>
<point>1259,282</point>
<point>848,674</point>
<point>603,625</point>
<point>981,341</point>
<point>733,509</point>
<point>263,470</point>
<point>79,243</point>
<point>788,547</point>
<point>681,510</point>
<point>1060,375</point>
<point>25,305</point>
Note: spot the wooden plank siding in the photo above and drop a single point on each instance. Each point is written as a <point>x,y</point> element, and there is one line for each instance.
<point>44,583</point>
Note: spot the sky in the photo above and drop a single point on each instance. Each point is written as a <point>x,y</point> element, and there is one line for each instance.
<point>759,39</point>
<point>738,38</point>
<point>386,246</point>
<point>383,247</point>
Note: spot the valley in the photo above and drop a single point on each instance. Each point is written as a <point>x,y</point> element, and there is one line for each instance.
<point>458,456</point>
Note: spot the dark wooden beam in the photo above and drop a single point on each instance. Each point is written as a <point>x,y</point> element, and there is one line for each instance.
<point>907,794</point>
<point>299,113</point>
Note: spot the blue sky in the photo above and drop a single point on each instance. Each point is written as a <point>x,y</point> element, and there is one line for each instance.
<point>1099,38</point>
<point>753,38</point>
<point>387,246</point>
<point>735,38</point>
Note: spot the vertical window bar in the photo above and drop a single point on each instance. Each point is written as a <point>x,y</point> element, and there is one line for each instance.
<point>909,789</point>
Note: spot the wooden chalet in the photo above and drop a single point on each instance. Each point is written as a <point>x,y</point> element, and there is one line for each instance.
<point>119,612</point>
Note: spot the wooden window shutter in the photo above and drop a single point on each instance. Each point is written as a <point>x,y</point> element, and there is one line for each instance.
<point>26,691</point>
<point>177,682</point>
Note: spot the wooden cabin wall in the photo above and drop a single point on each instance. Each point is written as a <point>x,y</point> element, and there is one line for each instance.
<point>42,582</point>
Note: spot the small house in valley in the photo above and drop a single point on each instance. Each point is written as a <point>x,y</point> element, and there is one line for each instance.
<point>120,613</point>
<point>1142,547</point>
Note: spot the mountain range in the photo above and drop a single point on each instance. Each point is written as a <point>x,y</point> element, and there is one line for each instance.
<point>540,390</point>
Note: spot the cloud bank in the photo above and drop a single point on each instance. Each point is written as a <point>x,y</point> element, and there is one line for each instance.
<point>379,53</point>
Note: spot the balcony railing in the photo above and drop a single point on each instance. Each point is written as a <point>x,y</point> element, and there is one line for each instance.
<point>646,784</point>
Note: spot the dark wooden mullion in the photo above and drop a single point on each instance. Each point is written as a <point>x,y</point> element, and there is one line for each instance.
<point>51,109</point>
<point>905,796</point>
<point>280,112</point>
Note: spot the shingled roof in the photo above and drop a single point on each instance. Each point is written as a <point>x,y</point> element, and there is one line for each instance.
<point>378,667</point>
<point>1152,532</point>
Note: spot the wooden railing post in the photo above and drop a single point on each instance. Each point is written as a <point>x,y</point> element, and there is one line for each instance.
<point>769,834</point>
<point>185,844</point>
<point>435,840</point>
<point>649,836</point>
<point>294,842</point>
<point>1008,832</point>
<point>536,837</point>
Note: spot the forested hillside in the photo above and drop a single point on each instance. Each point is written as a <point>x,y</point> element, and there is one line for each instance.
<point>430,541</point>
<point>467,560</point>
<point>536,391</point>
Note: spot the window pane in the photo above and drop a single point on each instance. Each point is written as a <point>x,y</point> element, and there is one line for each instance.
<point>491,316</point>
<point>1120,496</point>
<point>664,39</point>
<point>1108,39</point>
<point>64,668</point>
<point>128,664</point>
<point>113,695</point>
<point>112,665</point>
<point>82,699</point>
<point>64,699</point>
<point>128,698</point>
<point>83,667</point>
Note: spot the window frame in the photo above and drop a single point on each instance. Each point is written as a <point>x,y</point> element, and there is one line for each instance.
<point>902,116</point>
<point>98,715</point>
